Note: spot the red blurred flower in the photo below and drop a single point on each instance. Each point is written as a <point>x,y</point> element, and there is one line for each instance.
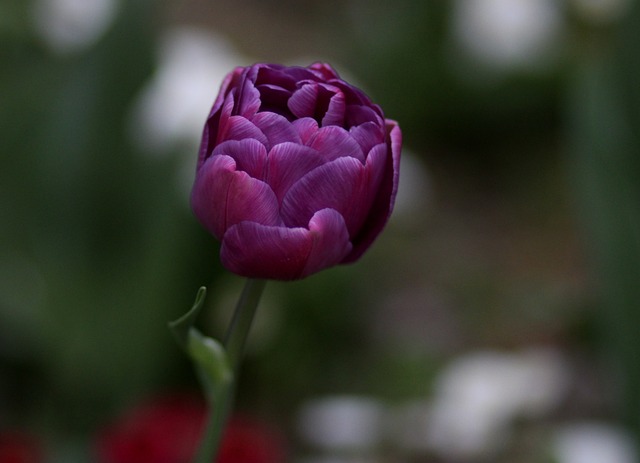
<point>16,447</point>
<point>248,441</point>
<point>168,431</point>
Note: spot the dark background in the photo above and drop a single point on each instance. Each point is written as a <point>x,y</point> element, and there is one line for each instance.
<point>517,228</point>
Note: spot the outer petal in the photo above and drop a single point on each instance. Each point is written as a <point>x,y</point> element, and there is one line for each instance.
<point>337,185</point>
<point>385,198</point>
<point>248,97</point>
<point>258,251</point>
<point>222,197</point>
<point>330,241</point>
<point>219,126</point>
<point>216,124</point>
<point>229,81</point>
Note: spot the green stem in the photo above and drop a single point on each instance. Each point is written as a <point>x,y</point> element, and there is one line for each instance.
<point>221,396</point>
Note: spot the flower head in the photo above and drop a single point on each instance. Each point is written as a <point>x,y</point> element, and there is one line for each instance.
<point>297,171</point>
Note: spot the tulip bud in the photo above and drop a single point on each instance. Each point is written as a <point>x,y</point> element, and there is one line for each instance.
<point>297,171</point>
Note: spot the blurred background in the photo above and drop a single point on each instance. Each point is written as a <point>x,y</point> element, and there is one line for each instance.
<point>497,319</point>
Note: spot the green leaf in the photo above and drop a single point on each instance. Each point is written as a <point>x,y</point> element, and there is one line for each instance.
<point>212,361</point>
<point>207,354</point>
<point>181,327</point>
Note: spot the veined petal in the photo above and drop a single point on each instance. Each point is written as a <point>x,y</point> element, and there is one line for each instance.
<point>239,128</point>
<point>248,97</point>
<point>386,195</point>
<point>324,71</point>
<point>335,185</point>
<point>303,101</point>
<point>357,114</point>
<point>325,103</point>
<point>249,154</point>
<point>276,128</point>
<point>287,163</point>
<point>228,82</point>
<point>306,128</point>
<point>367,135</point>
<point>333,142</point>
<point>220,126</point>
<point>223,196</point>
<point>330,241</point>
<point>336,109</point>
<point>205,147</point>
<point>258,251</point>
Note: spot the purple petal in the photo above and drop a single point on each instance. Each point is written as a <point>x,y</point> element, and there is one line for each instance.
<point>306,128</point>
<point>356,97</point>
<point>205,148</point>
<point>274,99</point>
<point>386,195</point>
<point>287,163</point>
<point>276,128</point>
<point>247,97</point>
<point>333,142</point>
<point>330,241</point>
<point>356,115</point>
<point>230,81</point>
<point>395,139</point>
<point>300,74</point>
<point>335,185</point>
<point>324,71</point>
<point>215,125</point>
<point>323,102</point>
<point>223,196</point>
<point>258,251</point>
<point>249,154</point>
<point>239,128</point>
<point>367,135</point>
<point>303,101</point>
<point>277,78</point>
<point>335,111</point>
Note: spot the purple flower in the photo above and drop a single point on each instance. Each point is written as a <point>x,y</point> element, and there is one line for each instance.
<point>297,171</point>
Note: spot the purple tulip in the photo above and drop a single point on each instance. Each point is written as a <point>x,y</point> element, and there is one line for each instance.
<point>297,171</point>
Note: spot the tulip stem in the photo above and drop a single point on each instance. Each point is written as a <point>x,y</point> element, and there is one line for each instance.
<point>221,395</point>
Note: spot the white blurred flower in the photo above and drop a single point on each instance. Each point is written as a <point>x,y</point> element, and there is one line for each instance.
<point>507,33</point>
<point>342,423</point>
<point>593,443</point>
<point>336,459</point>
<point>72,25</point>
<point>478,397</point>
<point>173,107</point>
